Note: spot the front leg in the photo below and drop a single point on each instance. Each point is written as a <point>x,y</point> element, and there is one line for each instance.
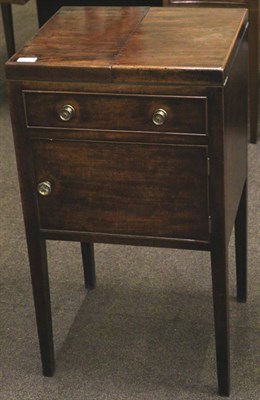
<point>87,250</point>
<point>221,315</point>
<point>41,294</point>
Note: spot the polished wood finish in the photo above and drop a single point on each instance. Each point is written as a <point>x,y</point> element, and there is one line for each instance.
<point>206,59</point>
<point>46,8</point>
<point>6,8</point>
<point>127,201</point>
<point>253,40</point>
<point>119,112</point>
<point>115,176</point>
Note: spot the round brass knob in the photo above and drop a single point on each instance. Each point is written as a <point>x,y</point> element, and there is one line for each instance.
<point>66,113</point>
<point>44,188</point>
<point>159,117</point>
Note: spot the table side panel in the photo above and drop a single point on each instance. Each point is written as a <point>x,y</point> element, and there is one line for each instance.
<point>236,133</point>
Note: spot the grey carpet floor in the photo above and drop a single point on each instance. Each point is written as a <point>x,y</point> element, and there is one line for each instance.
<point>146,332</point>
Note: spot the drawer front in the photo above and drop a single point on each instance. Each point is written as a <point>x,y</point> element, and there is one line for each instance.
<point>123,188</point>
<point>116,112</point>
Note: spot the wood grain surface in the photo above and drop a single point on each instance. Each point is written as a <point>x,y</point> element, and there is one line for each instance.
<point>133,44</point>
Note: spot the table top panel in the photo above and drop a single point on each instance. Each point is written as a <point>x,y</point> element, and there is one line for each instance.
<point>183,38</point>
<point>135,43</point>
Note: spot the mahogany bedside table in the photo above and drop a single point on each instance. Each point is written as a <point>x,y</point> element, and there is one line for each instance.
<point>130,126</point>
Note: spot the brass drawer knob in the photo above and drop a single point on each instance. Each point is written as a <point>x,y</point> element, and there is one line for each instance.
<point>44,188</point>
<point>159,117</point>
<point>67,112</point>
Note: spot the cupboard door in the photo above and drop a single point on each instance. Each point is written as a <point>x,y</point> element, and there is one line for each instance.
<point>123,188</point>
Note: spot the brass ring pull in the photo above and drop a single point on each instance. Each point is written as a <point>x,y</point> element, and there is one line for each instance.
<point>44,188</point>
<point>159,117</point>
<point>67,112</point>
